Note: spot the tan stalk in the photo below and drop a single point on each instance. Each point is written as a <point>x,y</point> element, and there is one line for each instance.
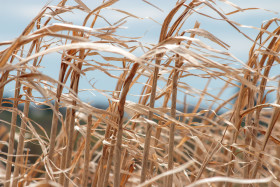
<point>19,159</point>
<point>109,161</point>
<point>270,59</point>
<point>276,112</point>
<point>12,132</point>
<point>237,124</point>
<point>109,151</point>
<point>55,115</point>
<point>149,126</point>
<point>275,116</point>
<point>70,140</point>
<point>163,35</point>
<point>64,143</point>
<point>87,151</point>
<point>118,145</point>
<point>172,126</point>
<point>248,135</point>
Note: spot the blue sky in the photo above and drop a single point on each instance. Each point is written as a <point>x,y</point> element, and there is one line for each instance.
<point>16,14</point>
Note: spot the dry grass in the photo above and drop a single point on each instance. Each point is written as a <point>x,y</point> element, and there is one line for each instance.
<point>150,143</point>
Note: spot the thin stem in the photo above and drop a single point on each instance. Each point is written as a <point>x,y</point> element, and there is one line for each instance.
<point>63,161</point>
<point>70,142</point>
<point>12,132</point>
<point>87,151</point>
<point>55,116</point>
<point>149,126</point>
<point>19,159</point>
<point>118,146</point>
<point>172,126</point>
<point>275,117</point>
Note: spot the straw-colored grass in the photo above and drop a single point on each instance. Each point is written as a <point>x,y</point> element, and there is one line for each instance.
<point>221,140</point>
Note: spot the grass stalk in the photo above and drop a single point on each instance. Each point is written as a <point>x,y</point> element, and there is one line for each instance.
<point>117,170</point>
<point>108,152</point>
<point>19,159</point>
<point>87,151</point>
<point>70,140</point>
<point>12,132</point>
<point>109,163</point>
<point>149,126</point>
<point>64,151</point>
<point>274,118</point>
<point>55,115</point>
<point>172,125</point>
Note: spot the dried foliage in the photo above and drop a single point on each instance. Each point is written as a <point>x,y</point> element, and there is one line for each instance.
<point>220,140</point>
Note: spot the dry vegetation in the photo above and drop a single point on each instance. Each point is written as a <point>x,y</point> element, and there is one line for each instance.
<point>150,142</point>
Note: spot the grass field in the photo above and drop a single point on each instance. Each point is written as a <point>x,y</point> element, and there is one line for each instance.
<point>199,117</point>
